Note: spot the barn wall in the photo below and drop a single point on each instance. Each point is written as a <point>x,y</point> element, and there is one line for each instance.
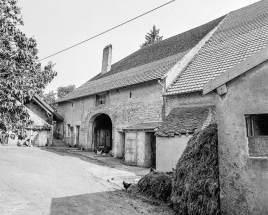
<point>145,104</point>
<point>188,100</point>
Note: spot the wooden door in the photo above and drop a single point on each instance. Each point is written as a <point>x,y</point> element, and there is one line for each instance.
<point>131,148</point>
<point>102,137</point>
<point>77,134</point>
<point>108,138</point>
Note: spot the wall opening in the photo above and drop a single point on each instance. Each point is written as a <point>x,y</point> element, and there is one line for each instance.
<point>100,99</point>
<point>150,146</point>
<point>102,132</point>
<point>68,130</point>
<point>257,125</point>
<point>257,133</point>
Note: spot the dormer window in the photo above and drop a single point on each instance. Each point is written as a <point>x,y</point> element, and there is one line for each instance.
<point>100,99</point>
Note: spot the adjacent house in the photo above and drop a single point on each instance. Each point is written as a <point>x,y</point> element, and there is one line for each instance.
<point>43,117</point>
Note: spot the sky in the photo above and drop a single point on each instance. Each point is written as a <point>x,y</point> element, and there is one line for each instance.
<point>58,24</point>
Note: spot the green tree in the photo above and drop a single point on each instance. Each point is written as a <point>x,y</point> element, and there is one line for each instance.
<point>152,37</point>
<point>21,76</point>
<point>51,99</point>
<point>62,91</point>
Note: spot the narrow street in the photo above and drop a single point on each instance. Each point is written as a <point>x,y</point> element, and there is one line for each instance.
<point>36,181</point>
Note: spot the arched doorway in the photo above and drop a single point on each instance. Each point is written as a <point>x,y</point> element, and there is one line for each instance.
<point>102,132</point>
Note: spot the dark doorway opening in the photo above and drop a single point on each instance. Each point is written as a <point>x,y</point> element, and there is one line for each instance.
<point>102,132</point>
<point>153,149</point>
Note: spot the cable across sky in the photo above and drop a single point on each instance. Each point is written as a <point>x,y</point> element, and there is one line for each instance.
<point>106,31</point>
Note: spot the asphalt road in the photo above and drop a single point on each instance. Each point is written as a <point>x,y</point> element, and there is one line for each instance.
<point>35,181</point>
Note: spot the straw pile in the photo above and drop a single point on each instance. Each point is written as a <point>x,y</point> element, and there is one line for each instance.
<point>156,185</point>
<point>196,188</point>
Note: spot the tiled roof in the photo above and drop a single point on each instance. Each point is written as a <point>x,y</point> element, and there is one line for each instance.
<point>183,120</point>
<point>144,126</point>
<point>146,64</point>
<point>241,34</point>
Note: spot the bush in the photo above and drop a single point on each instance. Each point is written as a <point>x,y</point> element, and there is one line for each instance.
<point>156,185</point>
<point>196,181</point>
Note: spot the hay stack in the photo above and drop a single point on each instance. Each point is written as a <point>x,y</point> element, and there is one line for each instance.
<point>196,188</point>
<point>157,185</point>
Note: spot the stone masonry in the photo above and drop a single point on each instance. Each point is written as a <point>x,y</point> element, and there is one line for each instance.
<point>145,105</point>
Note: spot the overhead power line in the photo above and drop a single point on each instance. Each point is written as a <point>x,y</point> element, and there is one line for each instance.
<point>107,30</point>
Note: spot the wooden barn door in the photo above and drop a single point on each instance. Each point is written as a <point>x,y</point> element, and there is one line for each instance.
<point>102,132</point>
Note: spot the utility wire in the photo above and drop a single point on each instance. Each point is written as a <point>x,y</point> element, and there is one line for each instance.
<point>107,30</point>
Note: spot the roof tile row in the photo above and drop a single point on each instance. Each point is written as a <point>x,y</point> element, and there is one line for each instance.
<point>145,64</point>
<point>183,120</point>
<point>241,34</point>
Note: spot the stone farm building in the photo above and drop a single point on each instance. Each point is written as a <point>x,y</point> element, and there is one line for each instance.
<point>121,106</point>
<point>146,106</point>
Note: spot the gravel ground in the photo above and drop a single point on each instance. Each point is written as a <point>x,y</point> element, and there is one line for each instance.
<point>36,181</point>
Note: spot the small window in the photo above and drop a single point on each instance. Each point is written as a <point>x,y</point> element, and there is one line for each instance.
<point>100,99</point>
<point>257,125</point>
<point>117,90</point>
<point>257,132</point>
<point>72,104</point>
<point>130,95</point>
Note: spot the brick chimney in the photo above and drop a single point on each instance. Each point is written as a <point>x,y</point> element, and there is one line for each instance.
<point>106,59</point>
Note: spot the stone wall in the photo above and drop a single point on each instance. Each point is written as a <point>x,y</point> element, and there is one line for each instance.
<point>143,105</point>
<point>243,178</point>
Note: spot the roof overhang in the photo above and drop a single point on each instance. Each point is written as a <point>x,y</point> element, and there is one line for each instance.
<point>43,104</point>
<point>146,126</point>
<point>239,69</point>
<point>57,116</point>
<point>47,108</point>
<point>185,120</point>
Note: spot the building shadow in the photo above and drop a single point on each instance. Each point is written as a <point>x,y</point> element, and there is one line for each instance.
<point>84,158</point>
<point>112,164</point>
